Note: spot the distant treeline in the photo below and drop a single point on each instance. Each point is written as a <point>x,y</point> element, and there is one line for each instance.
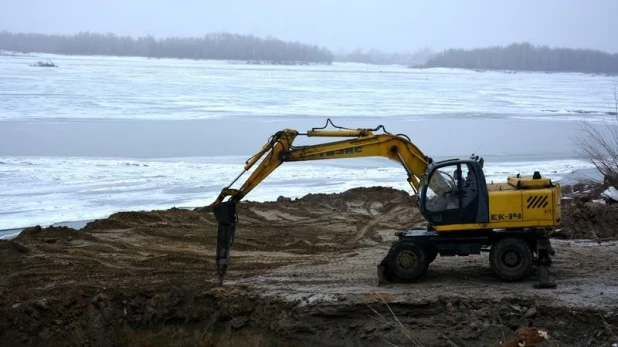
<point>524,56</point>
<point>221,46</point>
<point>375,56</point>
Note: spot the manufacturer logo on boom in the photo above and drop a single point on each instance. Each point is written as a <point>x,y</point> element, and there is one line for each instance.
<point>342,151</point>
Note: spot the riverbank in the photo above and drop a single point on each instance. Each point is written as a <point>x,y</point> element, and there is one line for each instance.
<point>297,276</point>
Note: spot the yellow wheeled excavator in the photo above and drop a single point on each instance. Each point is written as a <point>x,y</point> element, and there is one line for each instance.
<point>511,220</point>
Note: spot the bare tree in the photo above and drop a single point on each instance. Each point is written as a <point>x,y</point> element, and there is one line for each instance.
<point>599,145</point>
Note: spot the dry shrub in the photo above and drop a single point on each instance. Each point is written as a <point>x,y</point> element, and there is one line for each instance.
<point>599,146</point>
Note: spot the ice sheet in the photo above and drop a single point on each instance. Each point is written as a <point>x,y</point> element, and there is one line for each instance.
<point>141,88</point>
<point>47,190</point>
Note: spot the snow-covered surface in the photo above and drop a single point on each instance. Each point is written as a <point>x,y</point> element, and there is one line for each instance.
<point>611,193</point>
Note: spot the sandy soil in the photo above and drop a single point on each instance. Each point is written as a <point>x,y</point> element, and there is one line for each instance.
<point>302,273</point>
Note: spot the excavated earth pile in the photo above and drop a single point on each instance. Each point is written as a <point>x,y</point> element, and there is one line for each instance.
<point>589,221</point>
<point>302,273</point>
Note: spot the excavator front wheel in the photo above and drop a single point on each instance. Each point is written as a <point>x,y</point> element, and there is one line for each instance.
<point>407,261</point>
<point>511,258</point>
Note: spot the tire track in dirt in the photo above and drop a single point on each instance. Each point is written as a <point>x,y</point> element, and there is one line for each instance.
<point>377,220</point>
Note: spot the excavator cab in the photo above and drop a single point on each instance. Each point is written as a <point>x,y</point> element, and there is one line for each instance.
<point>454,199</point>
<point>454,192</point>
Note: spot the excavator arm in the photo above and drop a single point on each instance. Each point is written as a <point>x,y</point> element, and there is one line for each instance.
<point>280,149</point>
<point>272,151</point>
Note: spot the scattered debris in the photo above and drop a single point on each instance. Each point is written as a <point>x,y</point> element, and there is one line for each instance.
<point>610,195</point>
<point>48,63</point>
<point>581,192</point>
<point>526,336</point>
<point>283,62</point>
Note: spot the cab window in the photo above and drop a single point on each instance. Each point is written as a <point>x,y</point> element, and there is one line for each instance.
<point>452,194</point>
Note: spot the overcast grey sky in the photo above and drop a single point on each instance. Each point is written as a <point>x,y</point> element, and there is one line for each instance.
<point>388,25</point>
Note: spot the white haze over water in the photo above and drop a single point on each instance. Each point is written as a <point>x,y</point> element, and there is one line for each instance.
<point>118,109</point>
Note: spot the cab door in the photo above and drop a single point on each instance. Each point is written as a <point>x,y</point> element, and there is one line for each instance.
<point>455,193</point>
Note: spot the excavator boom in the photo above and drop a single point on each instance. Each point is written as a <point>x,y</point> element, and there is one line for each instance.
<point>280,149</point>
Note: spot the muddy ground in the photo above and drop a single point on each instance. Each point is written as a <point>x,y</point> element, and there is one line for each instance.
<point>303,273</point>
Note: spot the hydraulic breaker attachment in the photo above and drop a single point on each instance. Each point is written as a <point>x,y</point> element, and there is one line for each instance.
<point>544,250</point>
<point>226,216</point>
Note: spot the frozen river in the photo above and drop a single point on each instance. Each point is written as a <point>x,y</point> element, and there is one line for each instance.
<point>103,134</point>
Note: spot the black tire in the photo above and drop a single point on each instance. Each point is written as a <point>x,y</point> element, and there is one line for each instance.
<point>407,261</point>
<point>431,255</point>
<point>511,258</point>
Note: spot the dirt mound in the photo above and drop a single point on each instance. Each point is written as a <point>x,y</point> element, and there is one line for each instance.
<point>589,221</point>
<point>105,224</point>
<point>372,199</point>
<point>584,219</point>
<point>137,217</point>
<point>124,220</point>
<point>51,234</point>
<point>11,247</point>
<point>363,200</point>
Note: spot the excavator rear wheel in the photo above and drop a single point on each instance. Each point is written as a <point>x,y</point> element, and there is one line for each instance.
<point>407,261</point>
<point>511,258</point>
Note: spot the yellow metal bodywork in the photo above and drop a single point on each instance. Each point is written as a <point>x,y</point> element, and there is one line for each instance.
<point>279,149</point>
<point>511,206</point>
<point>518,203</point>
<point>533,202</point>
